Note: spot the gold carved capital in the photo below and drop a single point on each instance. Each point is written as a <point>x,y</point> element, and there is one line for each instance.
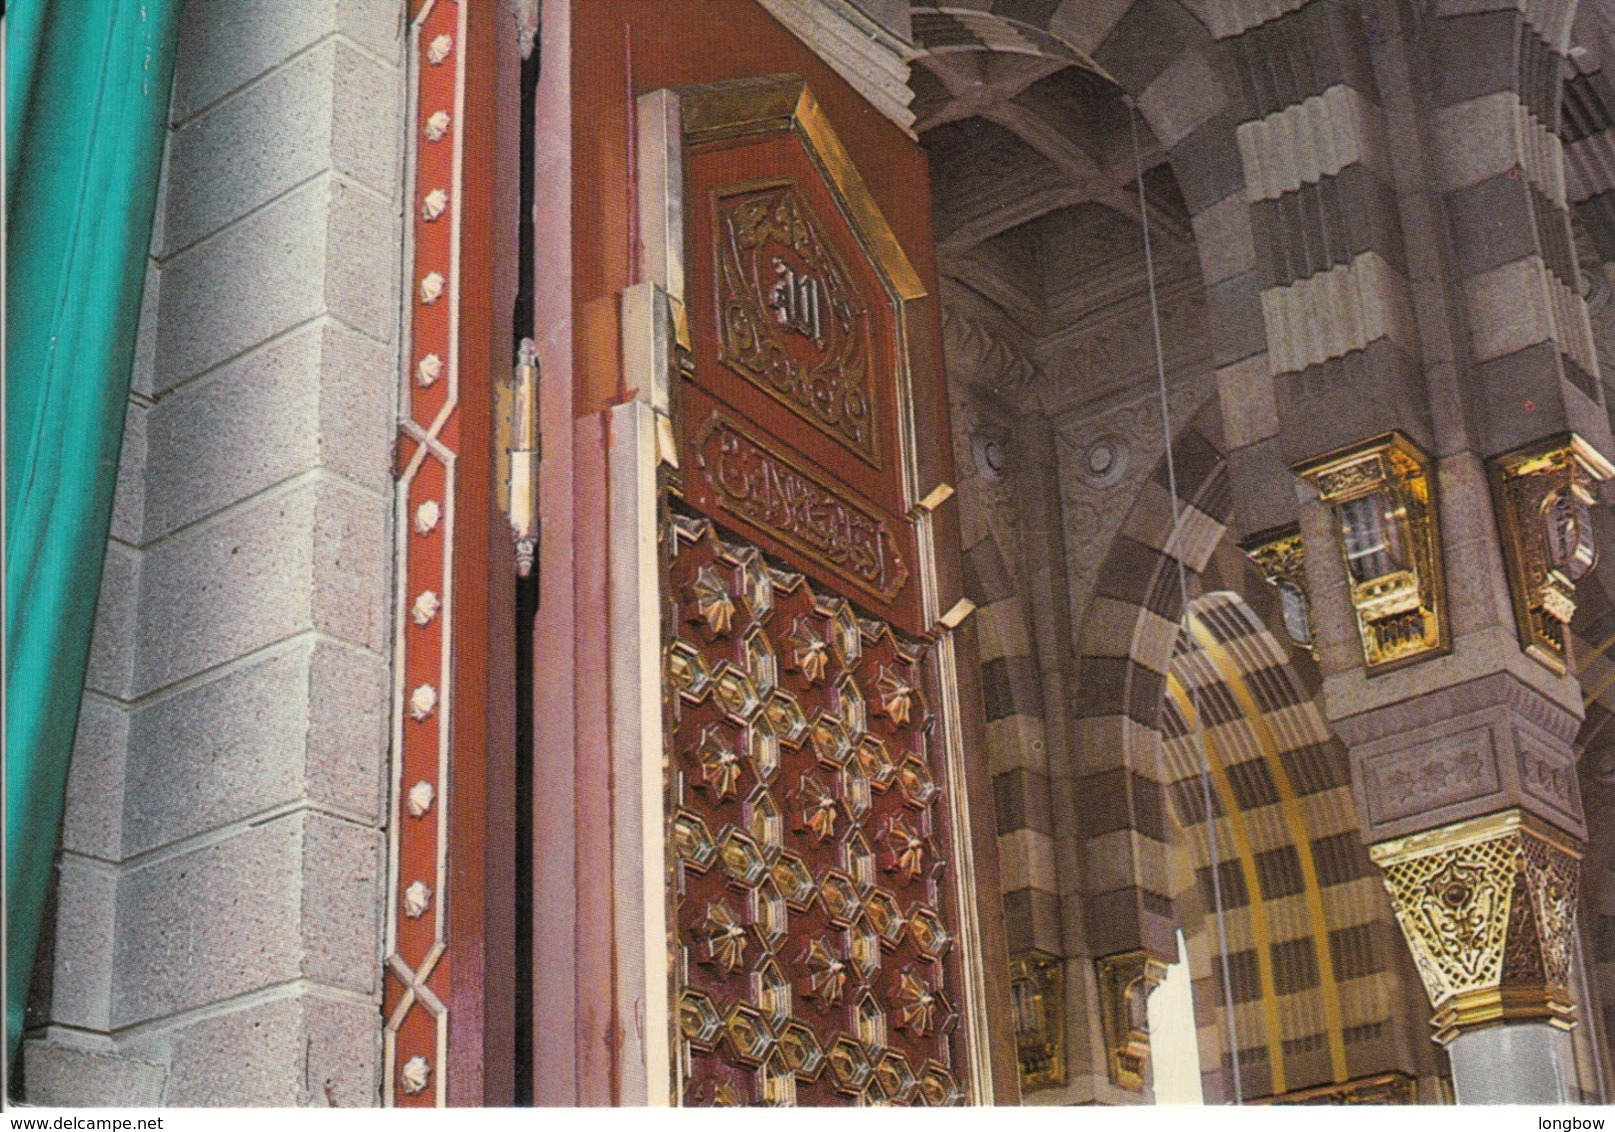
<point>1381,493</point>
<point>1544,496</point>
<point>1125,982</point>
<point>1488,909</point>
<point>1037,997</point>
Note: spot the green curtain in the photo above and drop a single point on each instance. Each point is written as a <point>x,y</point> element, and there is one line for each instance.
<point>87,87</point>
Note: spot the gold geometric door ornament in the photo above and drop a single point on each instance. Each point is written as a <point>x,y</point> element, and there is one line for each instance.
<point>1381,493</point>
<point>1037,998</point>
<point>1281,557</point>
<point>1488,909</point>
<point>1544,496</point>
<point>1125,982</point>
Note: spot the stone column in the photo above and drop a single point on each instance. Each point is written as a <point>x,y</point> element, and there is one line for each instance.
<point>1488,909</point>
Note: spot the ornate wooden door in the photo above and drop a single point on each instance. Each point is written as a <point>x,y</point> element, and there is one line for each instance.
<point>820,921</point>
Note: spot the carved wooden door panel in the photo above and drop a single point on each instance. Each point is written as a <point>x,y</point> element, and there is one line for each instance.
<point>819,882</point>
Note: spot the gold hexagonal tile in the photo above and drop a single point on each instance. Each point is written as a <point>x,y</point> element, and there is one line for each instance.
<point>763,820</point>
<point>869,1022</point>
<point>863,947</point>
<point>839,898</point>
<point>692,841</point>
<point>749,1034</point>
<point>771,991</point>
<point>858,859</point>
<point>762,747</point>
<point>875,760</point>
<point>736,692</point>
<point>937,1086</point>
<point>699,1020</point>
<point>854,790</point>
<point>687,671</point>
<point>761,663</point>
<point>769,918</point>
<point>849,1065</point>
<point>802,1051</point>
<point>930,935</point>
<point>742,859</point>
<point>795,881</point>
<point>844,635</point>
<point>919,788</point>
<point>896,1077</point>
<point>850,706</point>
<point>756,587</point>
<point>831,743</point>
<point>885,917</point>
<point>785,716</point>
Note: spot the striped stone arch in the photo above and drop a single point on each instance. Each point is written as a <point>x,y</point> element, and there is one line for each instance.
<point>1315,974</point>
<point>1269,115</point>
<point>1125,648</point>
<point>1322,991</point>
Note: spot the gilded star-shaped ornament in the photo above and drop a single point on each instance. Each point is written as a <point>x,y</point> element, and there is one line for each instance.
<point>810,653</point>
<point>896,698</point>
<point>827,973</point>
<point>726,937</point>
<point>720,763</point>
<point>907,848</point>
<point>818,808</point>
<point>712,602</point>
<point>916,1004</point>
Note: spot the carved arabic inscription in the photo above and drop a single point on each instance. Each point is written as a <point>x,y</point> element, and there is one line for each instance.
<point>789,318</point>
<point>771,493</point>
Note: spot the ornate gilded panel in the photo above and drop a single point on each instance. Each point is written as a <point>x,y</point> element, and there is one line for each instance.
<point>790,319</point>
<point>1544,496</point>
<point>1037,1000</point>
<point>814,923</point>
<point>1382,496</point>
<point>1488,909</point>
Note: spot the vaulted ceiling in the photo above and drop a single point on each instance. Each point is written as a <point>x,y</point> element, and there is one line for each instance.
<point>1034,190</point>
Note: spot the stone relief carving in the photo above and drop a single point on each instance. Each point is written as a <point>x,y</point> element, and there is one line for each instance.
<point>1432,775</point>
<point>982,361</point>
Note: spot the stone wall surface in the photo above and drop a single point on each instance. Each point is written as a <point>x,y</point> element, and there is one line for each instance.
<point>223,865</point>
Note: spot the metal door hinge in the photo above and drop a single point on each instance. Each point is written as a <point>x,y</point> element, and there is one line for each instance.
<point>520,450</point>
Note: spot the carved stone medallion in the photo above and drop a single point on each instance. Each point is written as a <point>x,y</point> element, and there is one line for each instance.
<point>789,318</point>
